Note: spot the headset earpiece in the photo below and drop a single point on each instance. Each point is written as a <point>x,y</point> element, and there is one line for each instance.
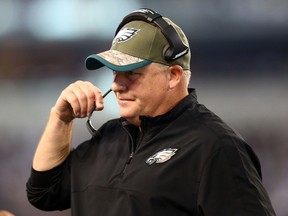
<point>167,52</point>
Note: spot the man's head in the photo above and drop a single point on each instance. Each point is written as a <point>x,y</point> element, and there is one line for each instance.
<point>151,70</point>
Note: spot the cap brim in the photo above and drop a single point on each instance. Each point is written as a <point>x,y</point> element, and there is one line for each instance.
<point>115,60</point>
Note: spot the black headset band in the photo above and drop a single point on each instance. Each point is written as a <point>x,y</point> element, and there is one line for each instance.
<point>176,47</point>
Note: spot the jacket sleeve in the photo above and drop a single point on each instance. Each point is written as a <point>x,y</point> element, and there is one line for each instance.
<point>50,190</point>
<point>231,183</point>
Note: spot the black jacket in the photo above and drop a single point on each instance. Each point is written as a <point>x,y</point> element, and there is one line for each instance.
<point>185,162</point>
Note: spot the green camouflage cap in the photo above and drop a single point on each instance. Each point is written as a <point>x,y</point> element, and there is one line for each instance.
<point>136,45</point>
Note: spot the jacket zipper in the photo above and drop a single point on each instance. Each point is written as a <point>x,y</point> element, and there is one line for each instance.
<point>127,163</point>
<point>131,154</point>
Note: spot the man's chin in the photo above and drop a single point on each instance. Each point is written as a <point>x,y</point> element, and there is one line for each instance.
<point>132,119</point>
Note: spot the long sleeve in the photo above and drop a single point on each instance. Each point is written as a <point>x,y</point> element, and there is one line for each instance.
<point>231,183</point>
<point>50,190</point>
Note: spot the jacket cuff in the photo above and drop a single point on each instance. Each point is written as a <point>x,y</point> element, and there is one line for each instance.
<point>44,179</point>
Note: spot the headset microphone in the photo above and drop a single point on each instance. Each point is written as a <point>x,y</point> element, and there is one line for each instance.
<point>94,132</point>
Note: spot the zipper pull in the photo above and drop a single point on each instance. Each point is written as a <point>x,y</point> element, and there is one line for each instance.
<point>127,163</point>
<point>130,158</point>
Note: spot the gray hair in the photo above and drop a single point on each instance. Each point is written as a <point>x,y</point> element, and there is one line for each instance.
<point>187,76</point>
<point>186,73</point>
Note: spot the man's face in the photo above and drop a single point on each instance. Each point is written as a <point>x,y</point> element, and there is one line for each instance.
<point>142,92</point>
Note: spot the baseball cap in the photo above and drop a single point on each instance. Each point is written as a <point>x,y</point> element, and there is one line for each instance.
<point>137,44</point>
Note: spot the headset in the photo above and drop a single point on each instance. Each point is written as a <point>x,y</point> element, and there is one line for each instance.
<point>176,48</point>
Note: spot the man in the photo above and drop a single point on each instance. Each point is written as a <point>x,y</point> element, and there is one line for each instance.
<point>166,155</point>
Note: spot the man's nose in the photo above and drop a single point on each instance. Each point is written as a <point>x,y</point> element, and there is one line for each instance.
<point>119,82</point>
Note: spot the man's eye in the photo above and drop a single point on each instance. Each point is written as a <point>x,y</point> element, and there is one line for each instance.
<point>133,73</point>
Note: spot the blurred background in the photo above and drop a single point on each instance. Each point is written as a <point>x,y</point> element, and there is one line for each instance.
<point>239,69</point>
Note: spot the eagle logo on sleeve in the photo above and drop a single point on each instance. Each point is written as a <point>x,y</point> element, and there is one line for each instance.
<point>161,156</point>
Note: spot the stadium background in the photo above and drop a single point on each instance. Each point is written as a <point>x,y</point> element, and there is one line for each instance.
<point>239,68</point>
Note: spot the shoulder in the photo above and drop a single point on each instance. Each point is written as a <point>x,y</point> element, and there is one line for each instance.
<point>109,130</point>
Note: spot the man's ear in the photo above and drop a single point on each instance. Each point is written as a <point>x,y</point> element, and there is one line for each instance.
<point>175,75</point>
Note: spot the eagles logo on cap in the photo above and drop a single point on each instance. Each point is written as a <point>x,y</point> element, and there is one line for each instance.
<point>125,35</point>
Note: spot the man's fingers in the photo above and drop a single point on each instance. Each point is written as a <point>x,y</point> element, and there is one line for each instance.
<point>80,99</point>
<point>96,98</point>
<point>89,98</point>
<point>73,98</point>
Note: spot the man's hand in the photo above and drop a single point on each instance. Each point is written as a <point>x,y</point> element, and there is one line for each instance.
<point>78,100</point>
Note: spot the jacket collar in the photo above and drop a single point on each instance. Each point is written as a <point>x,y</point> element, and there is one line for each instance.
<point>151,122</point>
